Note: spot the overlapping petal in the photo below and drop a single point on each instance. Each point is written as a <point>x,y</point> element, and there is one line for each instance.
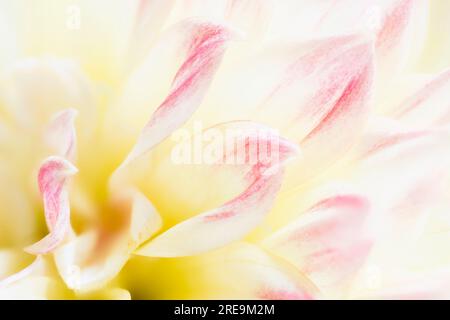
<point>232,220</point>
<point>329,242</point>
<point>205,48</point>
<point>91,260</point>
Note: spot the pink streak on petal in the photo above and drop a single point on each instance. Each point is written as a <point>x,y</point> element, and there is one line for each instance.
<point>205,51</point>
<point>21,274</point>
<point>52,180</point>
<point>353,208</point>
<point>329,10</point>
<point>350,100</point>
<point>332,244</point>
<point>236,217</point>
<point>393,26</point>
<point>416,101</point>
<point>392,140</point>
<point>262,186</point>
<point>348,200</point>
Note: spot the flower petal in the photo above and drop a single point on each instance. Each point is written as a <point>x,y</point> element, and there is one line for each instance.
<point>251,17</point>
<point>91,260</point>
<point>322,86</point>
<point>437,48</point>
<point>429,106</point>
<point>329,242</point>
<point>237,271</point>
<point>261,275</point>
<point>35,89</point>
<point>204,49</point>
<point>9,45</point>
<point>34,288</point>
<point>399,26</point>
<point>237,217</point>
<point>61,135</point>
<point>53,178</point>
<point>150,16</point>
<point>404,173</point>
<point>27,271</point>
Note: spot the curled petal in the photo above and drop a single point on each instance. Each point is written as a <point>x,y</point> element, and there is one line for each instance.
<point>61,135</point>
<point>329,242</point>
<point>88,262</point>
<point>204,53</point>
<point>53,178</point>
<point>237,217</point>
<point>323,87</point>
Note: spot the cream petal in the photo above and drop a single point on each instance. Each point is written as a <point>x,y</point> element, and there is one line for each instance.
<point>35,89</point>
<point>61,134</point>
<point>251,17</point>
<point>429,106</point>
<point>24,273</point>
<point>91,260</point>
<point>437,48</point>
<point>33,288</point>
<point>149,18</point>
<point>237,217</point>
<point>261,276</point>
<point>404,173</point>
<point>78,30</point>
<point>328,243</point>
<point>9,47</point>
<point>238,271</point>
<point>399,26</point>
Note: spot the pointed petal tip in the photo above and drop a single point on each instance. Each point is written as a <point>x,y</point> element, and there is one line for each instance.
<point>64,166</point>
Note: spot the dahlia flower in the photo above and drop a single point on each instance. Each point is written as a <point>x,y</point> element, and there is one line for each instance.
<point>229,149</point>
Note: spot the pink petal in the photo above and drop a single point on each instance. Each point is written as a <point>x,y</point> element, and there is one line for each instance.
<point>329,242</point>
<point>53,178</point>
<point>237,217</point>
<point>205,51</point>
